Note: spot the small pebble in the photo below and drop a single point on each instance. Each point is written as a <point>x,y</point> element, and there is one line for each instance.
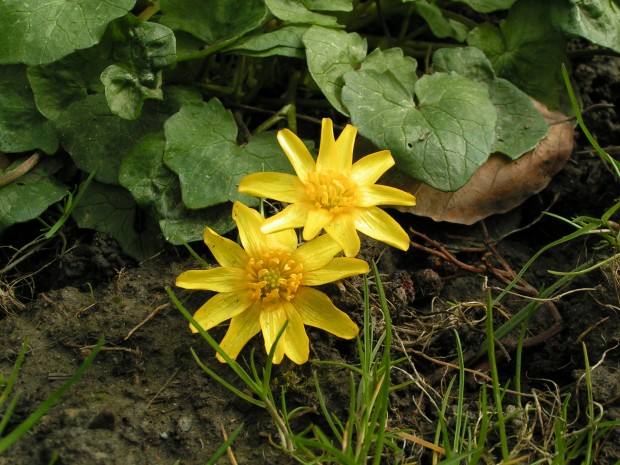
<point>184,423</point>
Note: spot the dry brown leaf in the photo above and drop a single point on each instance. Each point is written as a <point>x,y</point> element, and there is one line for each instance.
<point>500,184</point>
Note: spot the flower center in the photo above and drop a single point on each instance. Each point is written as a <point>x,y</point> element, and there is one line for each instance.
<point>274,276</point>
<point>330,190</point>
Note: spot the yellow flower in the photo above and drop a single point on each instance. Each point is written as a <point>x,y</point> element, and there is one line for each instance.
<point>263,286</point>
<point>332,194</point>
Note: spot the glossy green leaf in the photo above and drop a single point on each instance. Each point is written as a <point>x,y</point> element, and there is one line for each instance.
<point>442,140</point>
<point>43,31</point>
<point>328,5</point>
<point>154,46</point>
<point>595,20</point>
<point>213,21</point>
<point>487,6</point>
<point>330,54</point>
<point>519,125</point>
<point>22,127</point>
<point>156,189</point>
<point>201,147</point>
<point>286,41</point>
<point>526,50</point>
<point>107,139</point>
<point>136,75</point>
<point>111,210</point>
<point>393,60</point>
<point>294,11</point>
<point>441,25</point>
<point>59,84</point>
<point>126,92</point>
<point>31,194</point>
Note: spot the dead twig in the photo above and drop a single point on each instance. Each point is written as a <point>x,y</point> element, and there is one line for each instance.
<point>143,322</point>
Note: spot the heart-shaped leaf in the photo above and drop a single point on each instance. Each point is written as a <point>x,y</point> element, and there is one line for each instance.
<point>108,138</point>
<point>156,188</point>
<point>597,21</point>
<point>213,21</point>
<point>527,51</point>
<point>22,127</point>
<point>500,184</point>
<point>442,140</point>
<point>201,148</point>
<point>330,53</point>
<point>520,126</point>
<point>43,31</point>
<point>110,209</point>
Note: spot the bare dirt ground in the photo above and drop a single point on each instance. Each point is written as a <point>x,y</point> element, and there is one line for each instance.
<point>145,401</point>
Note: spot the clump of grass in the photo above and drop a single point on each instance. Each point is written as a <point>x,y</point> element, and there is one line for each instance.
<point>361,437</point>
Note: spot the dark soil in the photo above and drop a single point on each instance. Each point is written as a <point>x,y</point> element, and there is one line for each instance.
<point>146,401</point>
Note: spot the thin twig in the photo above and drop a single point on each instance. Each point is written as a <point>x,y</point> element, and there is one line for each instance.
<point>143,322</point>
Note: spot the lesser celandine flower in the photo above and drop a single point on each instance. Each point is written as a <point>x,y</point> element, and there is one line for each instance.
<point>263,286</point>
<point>332,194</point>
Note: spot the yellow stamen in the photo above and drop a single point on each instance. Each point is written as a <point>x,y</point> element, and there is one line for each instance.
<point>274,276</point>
<point>330,190</point>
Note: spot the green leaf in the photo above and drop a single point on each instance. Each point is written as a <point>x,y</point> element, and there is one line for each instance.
<point>519,125</point>
<point>107,139</point>
<point>201,148</point>
<point>487,6</point>
<point>31,194</point>
<point>142,50</point>
<point>125,92</point>
<point>595,20</point>
<point>440,24</point>
<point>526,50</point>
<point>111,210</point>
<point>442,140</point>
<point>328,5</point>
<point>154,46</point>
<point>330,54</point>
<point>59,84</point>
<point>213,21</point>
<point>285,41</point>
<point>156,188</point>
<point>393,60</point>
<point>295,11</point>
<point>22,127</point>
<point>43,31</point>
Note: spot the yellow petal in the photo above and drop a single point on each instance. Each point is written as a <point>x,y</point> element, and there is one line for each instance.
<point>242,328</point>
<point>293,216</point>
<point>255,242</point>
<point>315,309</point>
<point>338,268</point>
<point>370,168</point>
<point>377,224</point>
<point>278,186</point>
<point>328,158</point>
<point>297,153</point>
<point>221,279</point>
<point>272,318</point>
<point>221,307</point>
<point>367,196</point>
<point>342,229</point>
<point>344,144</point>
<point>225,251</point>
<point>316,253</point>
<point>296,342</point>
<point>315,222</point>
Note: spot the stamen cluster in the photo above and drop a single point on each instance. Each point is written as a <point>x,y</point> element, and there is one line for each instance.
<point>330,190</point>
<point>274,276</point>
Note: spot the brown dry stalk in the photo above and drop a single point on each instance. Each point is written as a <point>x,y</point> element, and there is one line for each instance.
<point>22,169</point>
